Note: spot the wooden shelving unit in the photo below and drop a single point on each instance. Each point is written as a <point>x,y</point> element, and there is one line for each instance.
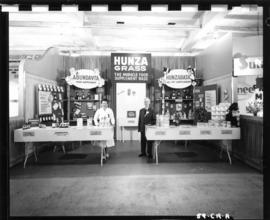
<point>86,109</point>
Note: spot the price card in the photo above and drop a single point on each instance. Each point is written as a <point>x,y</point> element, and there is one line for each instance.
<point>184,132</point>
<point>61,133</point>
<point>28,134</point>
<point>95,133</point>
<point>226,131</point>
<point>205,132</point>
<point>160,133</point>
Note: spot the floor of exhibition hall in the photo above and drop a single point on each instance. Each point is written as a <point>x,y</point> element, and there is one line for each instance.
<point>186,181</point>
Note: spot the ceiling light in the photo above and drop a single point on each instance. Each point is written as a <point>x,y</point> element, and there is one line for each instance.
<point>129,8</point>
<point>120,22</point>
<point>40,8</point>
<point>74,54</point>
<point>189,8</point>
<point>171,23</point>
<point>10,8</point>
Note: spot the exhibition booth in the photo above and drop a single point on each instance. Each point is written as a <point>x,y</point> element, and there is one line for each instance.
<point>215,96</point>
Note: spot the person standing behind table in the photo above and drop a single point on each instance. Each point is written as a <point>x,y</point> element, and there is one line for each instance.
<point>146,117</point>
<point>104,117</point>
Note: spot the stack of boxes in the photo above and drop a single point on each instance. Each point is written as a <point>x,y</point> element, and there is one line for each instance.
<point>218,115</point>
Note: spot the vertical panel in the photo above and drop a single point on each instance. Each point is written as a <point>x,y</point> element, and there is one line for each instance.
<point>129,100</point>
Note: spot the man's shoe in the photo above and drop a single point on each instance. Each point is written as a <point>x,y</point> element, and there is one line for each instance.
<point>142,155</point>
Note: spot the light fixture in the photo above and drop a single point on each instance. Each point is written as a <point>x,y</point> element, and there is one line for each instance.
<point>120,22</point>
<point>74,54</point>
<point>171,23</point>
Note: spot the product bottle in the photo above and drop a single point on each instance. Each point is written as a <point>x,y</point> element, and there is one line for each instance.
<point>167,118</point>
<point>189,114</point>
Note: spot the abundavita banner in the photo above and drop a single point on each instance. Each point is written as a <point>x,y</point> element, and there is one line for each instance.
<point>85,78</point>
<point>131,67</point>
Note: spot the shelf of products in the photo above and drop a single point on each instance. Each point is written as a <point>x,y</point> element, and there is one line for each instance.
<point>83,103</point>
<point>84,100</point>
<point>176,104</point>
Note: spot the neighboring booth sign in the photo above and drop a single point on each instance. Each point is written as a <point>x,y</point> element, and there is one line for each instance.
<point>206,96</point>
<point>248,66</point>
<point>198,96</point>
<point>85,78</point>
<point>246,86</point>
<point>177,79</point>
<point>210,96</point>
<point>45,103</point>
<point>129,67</point>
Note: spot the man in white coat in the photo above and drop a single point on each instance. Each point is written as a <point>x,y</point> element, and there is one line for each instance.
<point>104,117</point>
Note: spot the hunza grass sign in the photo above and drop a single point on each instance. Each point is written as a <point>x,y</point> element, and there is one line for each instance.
<point>129,67</point>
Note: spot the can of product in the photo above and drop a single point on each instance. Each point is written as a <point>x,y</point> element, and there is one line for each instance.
<point>89,122</point>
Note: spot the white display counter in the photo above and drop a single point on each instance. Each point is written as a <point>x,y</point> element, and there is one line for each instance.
<point>158,134</point>
<point>72,133</point>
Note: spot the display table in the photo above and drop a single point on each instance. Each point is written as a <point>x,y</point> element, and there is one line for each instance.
<point>158,134</point>
<point>72,133</point>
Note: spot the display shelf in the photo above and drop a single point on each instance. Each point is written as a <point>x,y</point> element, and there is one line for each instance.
<point>88,106</point>
<point>190,119</point>
<point>177,100</point>
<point>84,100</point>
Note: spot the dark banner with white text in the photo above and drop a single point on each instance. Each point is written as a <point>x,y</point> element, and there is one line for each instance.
<point>131,67</point>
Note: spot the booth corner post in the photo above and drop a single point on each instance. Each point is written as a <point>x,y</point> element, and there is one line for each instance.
<point>4,119</point>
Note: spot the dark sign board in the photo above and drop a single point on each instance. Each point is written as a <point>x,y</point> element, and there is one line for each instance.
<point>130,67</point>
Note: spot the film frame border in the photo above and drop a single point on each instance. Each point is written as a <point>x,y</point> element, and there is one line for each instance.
<point>83,5</point>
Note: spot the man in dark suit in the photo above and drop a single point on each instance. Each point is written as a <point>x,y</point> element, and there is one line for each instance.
<point>146,117</point>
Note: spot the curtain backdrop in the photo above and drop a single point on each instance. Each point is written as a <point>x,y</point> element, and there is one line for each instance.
<point>103,63</point>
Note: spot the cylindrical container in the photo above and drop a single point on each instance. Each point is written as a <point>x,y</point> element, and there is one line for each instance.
<point>89,122</point>
<point>79,122</point>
